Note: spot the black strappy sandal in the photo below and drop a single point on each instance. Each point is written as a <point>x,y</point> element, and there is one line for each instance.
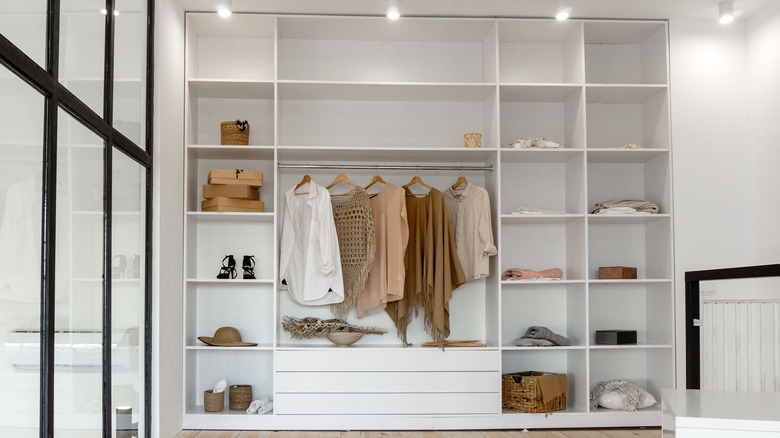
<point>249,267</point>
<point>229,271</point>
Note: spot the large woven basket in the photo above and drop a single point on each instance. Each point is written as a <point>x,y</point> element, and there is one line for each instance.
<point>521,392</point>
<point>240,397</point>
<point>235,132</point>
<point>213,401</point>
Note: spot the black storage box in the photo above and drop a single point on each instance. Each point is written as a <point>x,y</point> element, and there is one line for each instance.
<point>615,337</point>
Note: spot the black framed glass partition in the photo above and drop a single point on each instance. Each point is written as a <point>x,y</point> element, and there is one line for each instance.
<point>75,217</point>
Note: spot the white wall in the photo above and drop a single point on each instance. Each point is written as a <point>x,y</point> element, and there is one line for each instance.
<point>725,147</point>
<point>168,348</point>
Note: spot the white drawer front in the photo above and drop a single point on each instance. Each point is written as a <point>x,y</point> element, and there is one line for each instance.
<point>391,360</point>
<point>387,404</point>
<point>387,382</point>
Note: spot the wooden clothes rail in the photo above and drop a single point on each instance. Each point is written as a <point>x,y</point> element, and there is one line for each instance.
<point>367,167</point>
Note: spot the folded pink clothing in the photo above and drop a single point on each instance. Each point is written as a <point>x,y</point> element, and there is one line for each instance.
<point>527,274</point>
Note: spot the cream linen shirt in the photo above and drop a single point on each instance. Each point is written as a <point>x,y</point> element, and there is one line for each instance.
<point>310,262</point>
<point>469,211</point>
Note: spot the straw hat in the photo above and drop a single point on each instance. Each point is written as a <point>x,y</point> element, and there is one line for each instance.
<point>226,337</point>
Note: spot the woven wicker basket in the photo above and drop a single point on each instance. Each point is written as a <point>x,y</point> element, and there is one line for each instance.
<point>235,132</point>
<point>473,139</point>
<point>521,392</point>
<point>214,401</point>
<point>240,397</point>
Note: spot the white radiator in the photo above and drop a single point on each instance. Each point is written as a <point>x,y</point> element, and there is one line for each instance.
<point>740,345</point>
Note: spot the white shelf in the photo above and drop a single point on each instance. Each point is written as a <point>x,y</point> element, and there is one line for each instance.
<point>232,282</point>
<point>388,156</point>
<point>229,349</point>
<point>231,88</point>
<point>386,91</point>
<point>369,346</point>
<point>540,283</point>
<point>622,93</point>
<point>539,218</point>
<point>538,92</point>
<point>627,218</point>
<point>632,281</point>
<point>225,216</point>
<point>618,155</point>
<point>512,347</point>
<point>229,152</point>
<point>537,155</point>
<point>637,346</point>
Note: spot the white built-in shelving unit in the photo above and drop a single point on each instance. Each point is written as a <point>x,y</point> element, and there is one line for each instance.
<point>373,92</point>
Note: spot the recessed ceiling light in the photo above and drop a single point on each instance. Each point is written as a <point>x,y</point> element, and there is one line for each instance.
<point>393,9</point>
<point>562,9</point>
<point>726,11</point>
<point>225,8</point>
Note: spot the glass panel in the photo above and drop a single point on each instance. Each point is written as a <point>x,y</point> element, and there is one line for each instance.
<point>21,155</point>
<point>130,69</point>
<point>127,293</point>
<point>24,24</point>
<point>82,41</point>
<point>78,358</point>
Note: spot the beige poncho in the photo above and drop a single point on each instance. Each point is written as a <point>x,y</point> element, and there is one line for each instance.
<point>433,270</point>
<point>357,245</point>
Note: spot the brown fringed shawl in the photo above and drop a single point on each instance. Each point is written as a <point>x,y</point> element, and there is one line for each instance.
<point>357,245</point>
<point>433,270</point>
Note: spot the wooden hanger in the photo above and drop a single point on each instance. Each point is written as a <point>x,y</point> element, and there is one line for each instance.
<point>377,179</point>
<point>306,178</point>
<point>343,178</point>
<point>461,180</point>
<point>417,180</point>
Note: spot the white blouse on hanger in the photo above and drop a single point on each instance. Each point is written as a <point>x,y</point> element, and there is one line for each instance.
<point>469,211</point>
<point>310,263</point>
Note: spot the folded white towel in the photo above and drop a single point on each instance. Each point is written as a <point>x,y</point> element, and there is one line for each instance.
<point>256,407</point>
<point>220,386</point>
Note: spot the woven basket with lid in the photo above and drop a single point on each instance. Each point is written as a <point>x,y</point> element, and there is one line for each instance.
<point>235,132</point>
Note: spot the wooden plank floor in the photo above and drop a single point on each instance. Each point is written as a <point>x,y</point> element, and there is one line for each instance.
<point>558,433</point>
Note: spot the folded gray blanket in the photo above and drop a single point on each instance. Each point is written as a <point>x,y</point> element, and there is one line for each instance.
<point>539,332</point>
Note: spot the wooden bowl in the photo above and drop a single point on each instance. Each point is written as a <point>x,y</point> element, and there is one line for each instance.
<point>344,339</point>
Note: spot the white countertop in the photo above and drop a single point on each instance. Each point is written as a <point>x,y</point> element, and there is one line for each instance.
<point>758,411</point>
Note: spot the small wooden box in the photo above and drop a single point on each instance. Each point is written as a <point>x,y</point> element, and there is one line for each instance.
<point>615,337</point>
<point>236,176</point>
<point>230,204</point>
<point>235,191</point>
<point>617,273</point>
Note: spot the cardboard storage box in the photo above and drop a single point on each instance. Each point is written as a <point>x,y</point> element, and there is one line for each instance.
<point>230,204</point>
<point>615,337</point>
<point>235,191</point>
<point>617,273</point>
<point>236,176</point>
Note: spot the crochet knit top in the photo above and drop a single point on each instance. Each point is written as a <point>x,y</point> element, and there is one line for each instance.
<point>357,245</point>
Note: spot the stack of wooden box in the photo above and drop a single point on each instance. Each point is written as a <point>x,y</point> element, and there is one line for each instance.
<point>233,190</point>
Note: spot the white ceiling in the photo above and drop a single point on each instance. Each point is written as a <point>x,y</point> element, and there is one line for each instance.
<point>624,9</point>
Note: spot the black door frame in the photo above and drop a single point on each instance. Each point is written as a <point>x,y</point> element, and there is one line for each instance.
<point>692,311</point>
<point>46,81</point>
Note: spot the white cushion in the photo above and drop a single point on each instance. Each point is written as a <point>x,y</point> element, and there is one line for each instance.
<point>615,400</point>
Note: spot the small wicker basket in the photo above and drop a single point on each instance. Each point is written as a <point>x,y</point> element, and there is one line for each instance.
<point>240,397</point>
<point>213,401</point>
<point>473,139</point>
<point>521,392</point>
<point>235,132</point>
